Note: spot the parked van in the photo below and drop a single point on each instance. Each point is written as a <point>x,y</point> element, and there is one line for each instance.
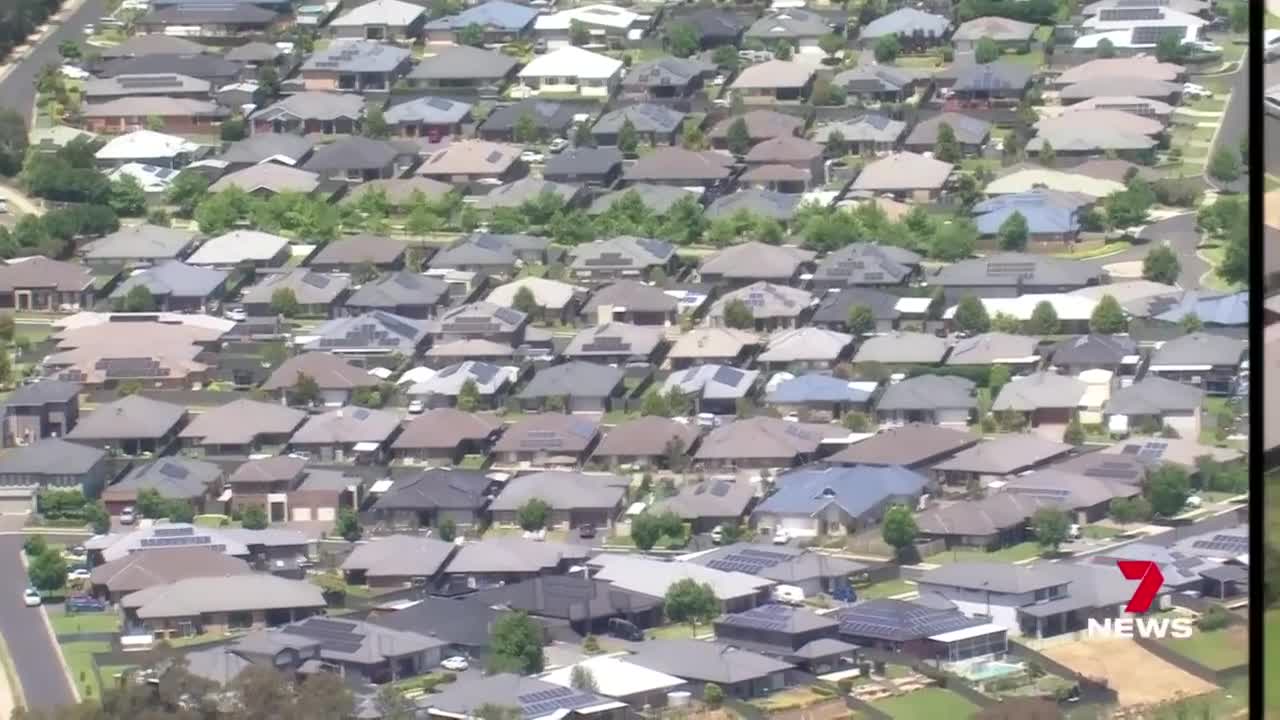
<point>625,629</point>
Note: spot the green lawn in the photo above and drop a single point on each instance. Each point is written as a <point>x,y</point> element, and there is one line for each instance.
<point>74,623</point>
<point>885,589</point>
<point>1034,59</point>
<point>1212,406</point>
<point>927,703</point>
<point>1271,649</point>
<point>108,673</point>
<point>79,657</point>
<point>919,62</point>
<point>1217,649</point>
<point>678,631</point>
<point>33,332</point>
<point>1013,553</point>
<point>1043,33</point>
<point>1099,532</point>
<point>212,520</point>
<point>1272,22</point>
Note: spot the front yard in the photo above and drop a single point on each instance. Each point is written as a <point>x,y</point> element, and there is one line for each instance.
<point>84,671</point>
<point>678,631</point>
<point>78,623</point>
<point>887,588</point>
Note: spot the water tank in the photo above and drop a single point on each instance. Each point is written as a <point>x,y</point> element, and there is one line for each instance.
<point>678,698</point>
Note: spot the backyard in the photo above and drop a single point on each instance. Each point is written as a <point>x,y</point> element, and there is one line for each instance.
<point>886,588</point>
<point>927,703</point>
<point>1215,649</point>
<point>1013,553</point>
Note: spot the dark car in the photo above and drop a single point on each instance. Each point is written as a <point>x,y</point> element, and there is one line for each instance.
<point>625,629</point>
<point>84,603</point>
<point>587,531</point>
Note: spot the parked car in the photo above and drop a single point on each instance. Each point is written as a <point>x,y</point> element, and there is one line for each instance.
<point>587,530</point>
<point>558,145</point>
<point>1270,45</point>
<point>80,573</point>
<point>717,534</point>
<point>780,537</point>
<point>457,663</point>
<point>532,158</point>
<point>127,516</point>
<point>1271,101</point>
<point>31,597</point>
<point>625,629</point>
<point>1193,90</point>
<point>74,73</point>
<point>85,603</point>
<point>416,407</point>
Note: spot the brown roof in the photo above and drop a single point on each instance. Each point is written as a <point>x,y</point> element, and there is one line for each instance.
<point>239,422</point>
<point>471,157</point>
<point>907,445</point>
<point>761,125</point>
<point>330,372</point>
<point>41,272</point>
<point>267,470</point>
<point>784,149</point>
<point>375,249</point>
<point>676,163</point>
<point>774,74</point>
<point>139,570</point>
<point>646,436</point>
<point>445,428</point>
<point>563,433</point>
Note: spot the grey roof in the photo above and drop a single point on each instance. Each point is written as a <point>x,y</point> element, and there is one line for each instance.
<point>1154,395</point>
<point>157,105</point>
<point>1040,390</point>
<point>513,555</point>
<point>1200,349</point>
<point>244,15</point>
<point>547,115</point>
<point>128,418</point>
<point>855,489</point>
<point>175,478</point>
<point>358,56</point>
<point>622,252</point>
<point>929,392</point>
<point>428,109</point>
<point>275,468</point>
<point>1017,269</point>
<point>573,379</point>
<point>901,620</point>
<point>791,24</point>
<point>399,289</point>
<point>774,74</point>
<point>766,300</point>
<point>711,382</point>
<point>874,78</point>
<point>805,344</point>
<point>145,84</point>
<point>399,556</point>
<point>817,388</point>
<point>362,248</point>
<point>988,516</point>
<point>1004,454</point>
<point>43,392</point>
<point>446,428</point>
<point>1119,85</point>
<point>196,596</point>
<point>630,294</point>
<point>459,621</point>
<point>833,309</point>
<point>787,149</point>
<point>764,438</point>
<point>903,171</point>
<point>256,148</point>
<point>902,346</point>
<point>376,330</point>
<point>481,317</point>
<point>645,436</point>
<point>137,45</point>
<point>270,176</point>
<point>784,564</point>
<point>1212,309</point>
<point>757,201</point>
<point>487,378</point>
<point>340,641</point>
<point>1092,586</point>
<point>657,198</point>
<point>554,433</point>
<point>995,577</point>
<point>562,491</point>
<point>666,72</point>
<point>516,194</point>
<point>866,264</point>
<point>1000,29</point>
<point>677,163</point>
<point>199,65</point>
<point>144,569</point>
<point>968,130</point>
<point>567,597</point>
<point>906,21</point>
<point>906,445</point>
<point>241,421</point>
<point>437,488</point>
<point>992,77</point>
<point>755,259</point>
<point>615,338</point>
<point>706,661</point>
<point>495,15</point>
<point>715,22</point>
<point>644,117</point>
<point>1094,349</point>
<point>254,52</point>
<point>652,576</point>
<point>864,128</point>
<point>761,125</point>
<point>309,287</point>
<point>237,246</point>
<point>488,249</point>
<point>353,153</point>
<point>526,693</point>
<point>1071,490</point>
<point>50,456</point>
<point>329,371</point>
<point>583,160</point>
<point>313,106</point>
<point>464,61</point>
<point>140,242</point>
<point>992,347</point>
<point>347,425</point>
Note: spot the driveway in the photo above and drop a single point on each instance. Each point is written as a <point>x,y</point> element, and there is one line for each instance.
<point>18,90</point>
<point>1178,232</point>
<point>35,656</point>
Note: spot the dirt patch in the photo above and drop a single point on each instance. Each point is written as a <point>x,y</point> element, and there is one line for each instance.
<point>1137,676</point>
<point>827,710</point>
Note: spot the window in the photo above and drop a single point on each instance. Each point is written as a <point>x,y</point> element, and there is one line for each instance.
<point>238,620</point>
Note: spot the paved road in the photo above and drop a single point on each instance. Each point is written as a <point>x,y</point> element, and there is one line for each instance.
<point>1235,123</point>
<point>18,90</point>
<point>1180,233</point>
<point>39,667</point>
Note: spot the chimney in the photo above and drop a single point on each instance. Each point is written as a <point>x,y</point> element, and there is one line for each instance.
<point>604,314</point>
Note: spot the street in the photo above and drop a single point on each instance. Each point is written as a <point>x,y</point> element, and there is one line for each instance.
<point>18,90</point>
<point>35,657</point>
<point>1235,123</point>
<point>1181,235</point>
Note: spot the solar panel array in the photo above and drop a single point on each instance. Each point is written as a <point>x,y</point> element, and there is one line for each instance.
<point>1234,544</point>
<point>180,541</point>
<point>1152,35</point>
<point>771,617</point>
<point>334,635</point>
<point>1011,269</point>
<point>1130,13</point>
<point>608,258</point>
<point>174,470</point>
<point>316,280</point>
<point>131,367</point>
<point>542,439</point>
<point>1113,470</point>
<point>728,376</point>
<point>748,560</point>
<point>900,621</point>
<point>545,702</point>
<point>607,344</point>
<point>150,81</point>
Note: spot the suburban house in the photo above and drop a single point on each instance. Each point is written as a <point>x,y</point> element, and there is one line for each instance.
<point>773,307</point>
<point>1200,359</point>
<point>360,159</point>
<point>905,175</point>
<point>553,300</point>
<point>1044,398</point>
<point>666,78</point>
<point>680,167</point>
<point>543,117</point>
<point>739,673</point>
<point>217,605</point>
<point>797,26</point>
<point>786,164</point>
<point>396,560</point>
<point>499,22</point>
<point>38,283</point>
<point>373,335</point>
<point>1019,352</point>
<point>865,264</point>
<point>572,70</point>
<point>735,591</point>
<point>444,436</point>
<point>716,26</point>
<point>756,201</point>
<point>648,441</point>
<point>868,133</point>
<point>240,428</point>
<point>429,117</point>
<point>879,83</point>
<point>429,497</point>
<point>1006,33</point>
<point>500,561</point>
<point>1155,403</point>
<point>546,440</point>
<point>43,409</point>
<point>519,691</point>
<point>237,248</point>
<point>355,66</point>
<point>775,81</point>
<point>970,133</point>
<point>921,631</point>
<point>462,68</point>
<point>498,255</point>
<point>1000,458</point>
<point>835,500</point>
<point>943,400</point>
<point>806,348</point>
<point>270,178</point>
<point>818,396</point>
<point>311,113</point>
<point>317,294</point>
<point>620,257</point>
<point>444,388</point>
<point>143,245</point>
<point>998,520</point>
<point>713,388</point>
<point>290,491</point>
<point>1010,274</point>
<point>717,345</point>
<point>585,165</point>
<point>812,572</point>
<point>608,26</point>
<point>133,425</point>
<point>631,302</point>
<point>347,434</point>
<point>580,386</point>
<point>113,580</point>
<point>380,20</point>
<point>764,442</point>
<point>583,605</point>
<point>651,123</point>
<point>356,252</point>
<point>336,378</point>
<point>50,463</point>
<point>901,347</point>
<point>915,28</point>
<point>997,84</point>
<point>915,446</point>
<point>482,320</point>
<point>402,293</point>
<point>470,161</point>
<point>195,482</point>
<point>794,634</point>
<point>360,652</point>
<point>575,499</point>
<point>761,125</point>
<point>616,677</point>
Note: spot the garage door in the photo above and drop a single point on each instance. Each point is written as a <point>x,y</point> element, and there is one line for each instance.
<point>324,514</point>
<point>301,514</point>
<point>15,505</point>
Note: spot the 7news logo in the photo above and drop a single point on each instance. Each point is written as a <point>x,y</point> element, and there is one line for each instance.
<point>1152,628</point>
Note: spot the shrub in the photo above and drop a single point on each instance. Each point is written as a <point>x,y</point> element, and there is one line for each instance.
<point>1215,618</point>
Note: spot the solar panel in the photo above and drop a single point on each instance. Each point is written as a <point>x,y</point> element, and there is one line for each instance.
<point>174,471</point>
<point>728,376</point>
<point>1130,13</point>
<point>316,280</point>
<point>173,531</point>
<point>361,414</point>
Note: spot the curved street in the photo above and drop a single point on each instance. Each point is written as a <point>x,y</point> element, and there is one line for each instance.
<point>18,88</point>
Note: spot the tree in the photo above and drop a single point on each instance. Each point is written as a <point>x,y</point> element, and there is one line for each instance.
<point>783,50</point>
<point>533,515</point>
<point>738,137</point>
<point>233,129</point>
<point>899,529</point>
<point>947,149</point>
<point>525,130</point>
<point>253,517</point>
<point>127,198</point>
<point>306,391</point>
<point>647,529</point>
<point>582,136</point>
<point>1170,48</point>
<point>1044,319</point>
<point>831,43</point>
<point>285,302</point>
<point>1224,166</point>
<point>48,571</point>
<point>954,241</point>
<point>887,49</point>
<point>986,51</point>
<point>13,141</point>
<point>1003,322</point>
<point>712,695</point>
<point>138,299</point>
<point>1106,48</point>
<point>98,518</point>
<point>375,123</point>
<point>34,545</point>
<point>1161,265</point>
<point>393,705</point>
<point>186,192</point>
<point>472,34</point>
<point>997,378</point>
<point>69,50</point>
<point>581,678</point>
<point>517,638</point>
<point>1130,206</point>
<point>1168,488</point>
<point>688,600</point>
<point>1013,232</point>
<point>490,711</point>
<point>347,525</point>
<point>1239,17</point>
<point>1191,323</point>
<point>738,315</point>
<point>8,327</point>
<point>448,529</point>
<point>682,39</point>
<point>1074,434</point>
<point>579,33</point>
<point>1048,157</point>
<point>971,316</point>
<point>628,139</point>
<point>725,57</point>
<point>1108,317</point>
<point>861,320</point>
<point>1051,527</point>
<point>836,144</point>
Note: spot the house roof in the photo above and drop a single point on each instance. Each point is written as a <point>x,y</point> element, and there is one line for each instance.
<point>481,317</point>
<point>145,84</point>
<point>1023,179</point>
<point>376,330</point>
<point>992,347</point>
<point>358,249</point>
<point>175,478</point>
<point>583,160</point>
<point>906,21</point>
<point>525,693</point>
<point>816,388</point>
<point>712,343</point>
<point>549,294</point>
<point>428,109</point>
<point>1155,451</point>
<point>632,295</point>
<point>785,149</point>
<point>806,343</point>
<point>399,191</point>
<point>774,74</point>
<point>137,45</point>
<point>644,118</point>
<point>864,128</point>
<point>1154,395</point>
<point>901,346</point>
<point>488,249</point>
<point>238,246</point>
<point>269,176</point>
<point>130,417</point>
<point>470,348</point>
<point>1005,454</point>
<point>50,456</point>
<point>392,13</point>
<point>328,370</point>
<point>567,597</point>
<point>1212,309</point>
<point>1135,67</point>
<point>979,518</point>
<point>1071,490</point>
<point>346,426</point>
<point>652,576</point>
<point>677,163</point>
<point>458,621</point>
<point>1040,390</point>
<point>1200,348</point>
<point>1018,269</point>
<point>790,24</point>
<point>875,77</point>
<point>1119,85</point>
<point>464,62</point>
<point>616,677</point>
<point>571,61</point>
<point>526,189</point>
<point>929,392</point>
<point>573,379</point>
<point>139,570</point>
<point>41,272</point>
<point>855,489</point>
<point>400,288</point>
<point>498,15</point>
<point>241,421</point>
<point>657,198</point>
<point>399,556</point>
<point>1045,211</point>
<point>706,661</point>
<point>547,115</point>
<point>766,300</point>
<point>866,263</point>
<point>903,171</point>
<point>199,595</point>
<point>666,72</point>
<point>766,438</point>
<point>754,259</point>
<point>711,382</point>
<point>277,468</point>
<point>470,157</point>
<point>968,130</point>
<point>312,106</point>
<point>622,252</point>
<point>646,436</point>
<point>997,28</point>
<point>594,14</point>
<point>563,490</point>
<point>450,380</point>
<point>907,445</point>
<point>563,433</point>
<point>995,577</point>
<point>236,15</point>
<point>144,145</point>
<point>254,52</point>
<point>233,541</point>
<point>309,287</point>
<point>195,64</point>
<point>513,555</point>
<point>761,125</point>
<point>140,242</point>
<point>348,55</point>
<point>756,201</point>
<point>992,77</point>
<point>353,153</point>
<point>43,392</point>
<point>445,428</point>
<point>782,564</point>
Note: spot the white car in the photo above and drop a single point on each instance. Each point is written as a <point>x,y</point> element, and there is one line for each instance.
<point>88,30</point>
<point>457,663</point>
<point>72,72</point>
<point>780,537</point>
<point>717,534</point>
<point>237,314</point>
<point>1205,46</point>
<point>558,145</point>
<point>79,574</point>
<point>30,597</point>
<point>532,158</point>
<point>416,407</point>
<point>1196,91</point>
<point>127,516</point>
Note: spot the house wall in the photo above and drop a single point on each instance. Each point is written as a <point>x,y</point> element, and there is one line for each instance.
<point>942,416</point>
<point>175,124</point>
<point>587,87</point>
<point>1001,608</point>
<point>221,622</point>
